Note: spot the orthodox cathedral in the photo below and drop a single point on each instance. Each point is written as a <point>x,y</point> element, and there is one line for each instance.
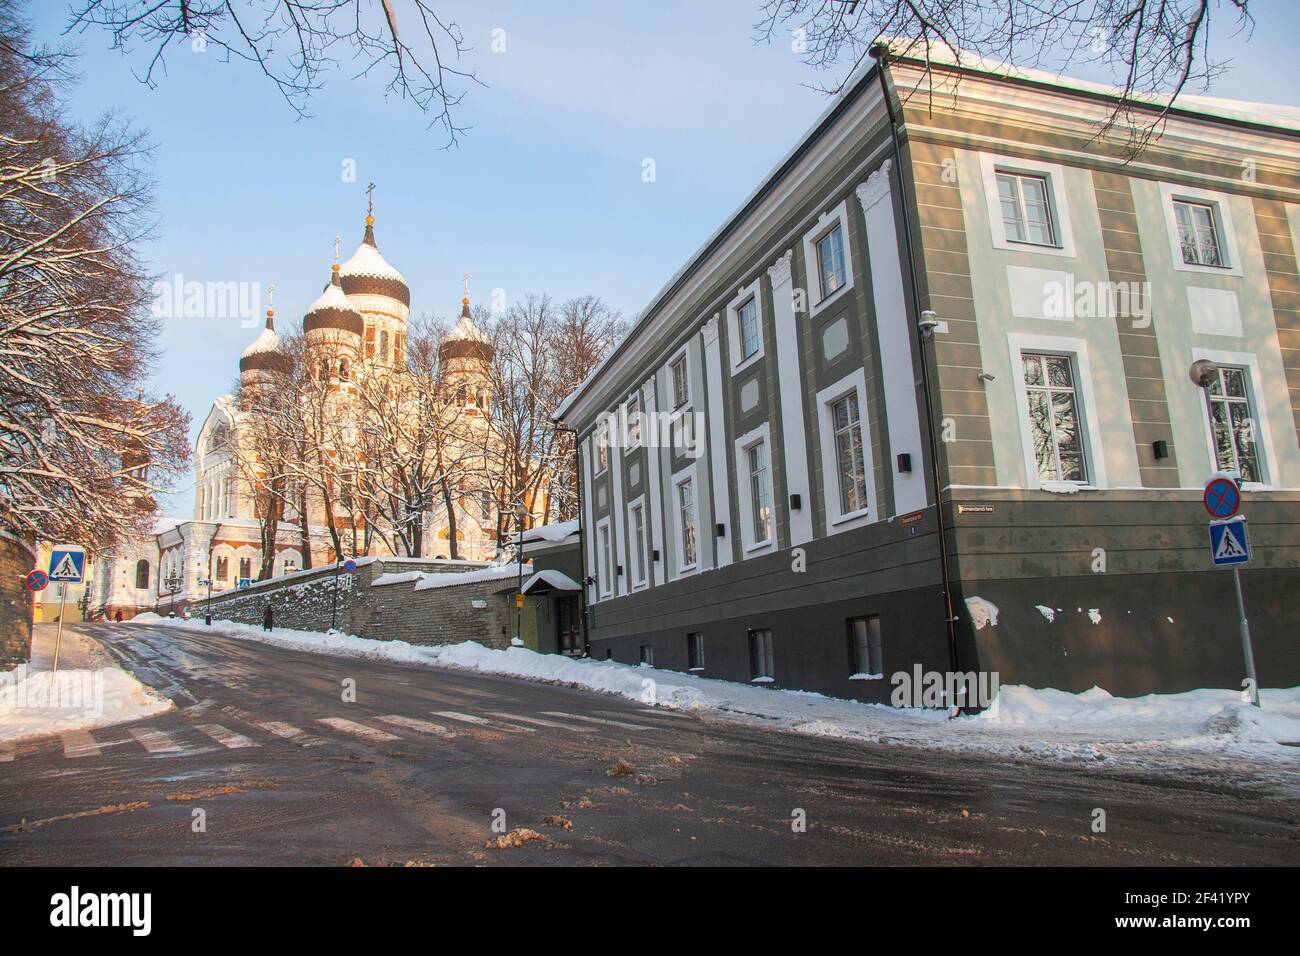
<point>354,329</point>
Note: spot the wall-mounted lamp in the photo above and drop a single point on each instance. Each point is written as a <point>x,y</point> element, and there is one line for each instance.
<point>928,322</point>
<point>1160,449</point>
<point>904,463</point>
<point>654,555</point>
<point>986,377</point>
<point>796,502</point>
<point>618,570</point>
<point>721,529</point>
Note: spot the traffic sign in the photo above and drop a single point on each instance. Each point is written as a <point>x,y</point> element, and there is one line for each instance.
<point>205,582</point>
<point>36,580</point>
<point>67,563</point>
<point>350,566</point>
<point>1229,543</point>
<point>1222,497</point>
<point>243,584</point>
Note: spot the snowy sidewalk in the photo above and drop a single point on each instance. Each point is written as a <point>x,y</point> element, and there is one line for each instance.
<point>90,690</point>
<point>1204,729</point>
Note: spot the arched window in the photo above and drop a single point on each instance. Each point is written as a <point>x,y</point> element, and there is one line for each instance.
<point>142,574</point>
<point>383,346</point>
<point>343,370</point>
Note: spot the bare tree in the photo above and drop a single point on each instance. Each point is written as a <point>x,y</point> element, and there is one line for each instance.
<point>83,447</point>
<point>1155,49</point>
<point>294,43</point>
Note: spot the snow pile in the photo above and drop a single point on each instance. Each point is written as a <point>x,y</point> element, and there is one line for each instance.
<point>1166,731</point>
<point>500,572</point>
<point>37,702</point>
<point>982,612</point>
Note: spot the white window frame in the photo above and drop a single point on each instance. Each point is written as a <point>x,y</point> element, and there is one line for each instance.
<point>1050,391</point>
<point>836,520</point>
<point>640,550</point>
<point>1022,207</point>
<point>684,355</point>
<point>1054,174</point>
<point>601,431</point>
<point>735,339</point>
<point>1255,385</point>
<point>679,479</point>
<point>1223,220</point>
<point>1085,397</point>
<point>812,278</point>
<point>741,446</point>
<point>604,558</point>
<point>634,399</point>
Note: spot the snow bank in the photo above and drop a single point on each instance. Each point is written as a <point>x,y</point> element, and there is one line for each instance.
<point>37,702</point>
<point>1159,730</point>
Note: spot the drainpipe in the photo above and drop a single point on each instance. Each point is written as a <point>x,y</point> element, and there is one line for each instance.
<point>582,538</point>
<point>880,53</point>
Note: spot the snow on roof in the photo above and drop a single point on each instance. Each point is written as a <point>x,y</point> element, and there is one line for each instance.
<point>165,523</point>
<point>266,341</point>
<point>396,577</point>
<point>555,580</point>
<point>552,532</point>
<point>500,572</point>
<point>466,330</point>
<point>331,298</point>
<point>1264,114</point>
<point>367,261</point>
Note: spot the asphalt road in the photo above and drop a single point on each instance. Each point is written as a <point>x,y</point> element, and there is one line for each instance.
<point>421,765</point>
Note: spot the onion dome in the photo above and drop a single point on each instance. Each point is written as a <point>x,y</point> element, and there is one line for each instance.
<point>368,272</point>
<point>264,352</point>
<point>333,310</point>
<point>467,340</point>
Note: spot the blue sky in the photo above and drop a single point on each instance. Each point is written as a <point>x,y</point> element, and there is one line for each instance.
<point>544,193</point>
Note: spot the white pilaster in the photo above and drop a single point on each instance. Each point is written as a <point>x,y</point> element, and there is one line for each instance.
<point>894,330</point>
<point>716,424</point>
<point>654,500</point>
<point>793,438</point>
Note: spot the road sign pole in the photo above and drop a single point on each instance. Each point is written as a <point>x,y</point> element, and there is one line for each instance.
<point>334,608</point>
<point>1245,639</point>
<point>58,633</point>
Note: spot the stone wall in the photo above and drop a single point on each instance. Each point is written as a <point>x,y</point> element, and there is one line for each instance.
<point>16,559</point>
<point>381,601</point>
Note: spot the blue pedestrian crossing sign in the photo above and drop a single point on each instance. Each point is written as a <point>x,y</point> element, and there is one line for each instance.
<point>1228,542</point>
<point>67,563</point>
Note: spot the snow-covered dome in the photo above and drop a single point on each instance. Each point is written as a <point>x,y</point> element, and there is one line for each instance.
<point>368,272</point>
<point>264,351</point>
<point>466,330</point>
<point>332,310</point>
<point>467,340</point>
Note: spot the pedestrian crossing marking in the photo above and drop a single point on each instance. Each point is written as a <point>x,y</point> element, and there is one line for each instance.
<point>289,732</point>
<point>357,730</point>
<point>155,741</point>
<point>420,726</point>
<point>227,738</point>
<point>78,743</point>
<point>597,720</point>
<point>659,712</point>
<point>553,724</point>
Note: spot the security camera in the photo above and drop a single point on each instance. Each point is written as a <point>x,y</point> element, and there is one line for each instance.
<point>928,322</point>
<point>1202,373</point>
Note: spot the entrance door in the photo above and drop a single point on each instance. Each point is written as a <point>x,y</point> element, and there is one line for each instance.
<point>569,624</point>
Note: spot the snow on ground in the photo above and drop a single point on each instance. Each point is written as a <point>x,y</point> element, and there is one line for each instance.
<point>1208,729</point>
<point>90,690</point>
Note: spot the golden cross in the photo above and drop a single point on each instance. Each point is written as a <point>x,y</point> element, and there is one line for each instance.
<point>467,285</point>
<point>337,240</point>
<point>270,296</point>
<point>370,199</point>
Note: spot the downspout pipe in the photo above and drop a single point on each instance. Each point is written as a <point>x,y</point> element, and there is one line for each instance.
<point>880,53</point>
<point>582,536</point>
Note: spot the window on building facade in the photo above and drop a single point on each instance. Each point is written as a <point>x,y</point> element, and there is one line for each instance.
<point>648,654</point>
<point>343,370</point>
<point>760,655</point>
<point>1198,233</point>
<point>245,567</point>
<point>760,491</point>
<point>831,273</point>
<point>601,440</point>
<point>686,523</point>
<point>606,560</point>
<point>142,575</point>
<point>223,569</point>
<point>1026,209</point>
<point>864,646</point>
<point>639,552</point>
<point>290,566</point>
<point>633,421</point>
<point>850,461</point>
<point>750,334</point>
<point>383,345</point>
<point>1054,426</point>
<point>695,651</point>
<point>681,384</point>
<point>1233,424</point>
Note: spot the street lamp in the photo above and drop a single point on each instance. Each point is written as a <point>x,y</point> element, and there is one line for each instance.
<point>521,513</point>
